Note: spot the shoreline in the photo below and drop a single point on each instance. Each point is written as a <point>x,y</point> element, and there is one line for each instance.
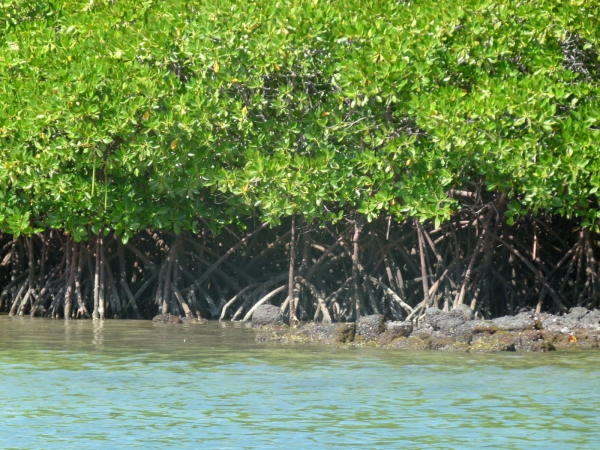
<point>454,331</point>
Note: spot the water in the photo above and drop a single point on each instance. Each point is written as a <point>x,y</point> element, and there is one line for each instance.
<point>130,384</point>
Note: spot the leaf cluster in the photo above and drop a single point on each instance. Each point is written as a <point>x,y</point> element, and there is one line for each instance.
<point>131,114</point>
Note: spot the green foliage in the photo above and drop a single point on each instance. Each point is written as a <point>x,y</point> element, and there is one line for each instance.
<point>132,114</point>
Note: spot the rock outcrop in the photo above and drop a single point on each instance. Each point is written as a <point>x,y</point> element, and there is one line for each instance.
<point>447,322</point>
<point>455,331</point>
<point>399,329</point>
<point>267,315</point>
<point>369,327</point>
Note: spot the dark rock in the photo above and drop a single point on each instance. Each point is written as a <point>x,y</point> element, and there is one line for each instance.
<point>369,327</point>
<point>448,322</point>
<point>399,329</point>
<point>464,311</point>
<point>345,333</point>
<point>433,314</point>
<point>523,332</point>
<point>167,318</point>
<point>193,320</point>
<point>310,333</point>
<point>464,332</point>
<point>520,322</point>
<point>440,320</point>
<point>267,315</point>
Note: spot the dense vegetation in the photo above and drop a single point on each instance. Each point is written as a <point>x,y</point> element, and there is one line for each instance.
<point>414,153</point>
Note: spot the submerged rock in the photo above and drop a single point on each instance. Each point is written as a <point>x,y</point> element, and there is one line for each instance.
<point>167,318</point>
<point>314,332</point>
<point>329,334</point>
<point>272,333</point>
<point>371,326</point>
<point>267,315</point>
<point>194,320</point>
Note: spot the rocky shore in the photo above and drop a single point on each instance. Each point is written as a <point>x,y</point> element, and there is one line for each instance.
<point>454,331</point>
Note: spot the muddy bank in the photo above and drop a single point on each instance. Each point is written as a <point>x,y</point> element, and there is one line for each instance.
<point>454,331</point>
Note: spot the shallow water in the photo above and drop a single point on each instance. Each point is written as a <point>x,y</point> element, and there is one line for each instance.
<point>135,384</point>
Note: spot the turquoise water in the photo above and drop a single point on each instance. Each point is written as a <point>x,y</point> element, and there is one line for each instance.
<point>130,384</point>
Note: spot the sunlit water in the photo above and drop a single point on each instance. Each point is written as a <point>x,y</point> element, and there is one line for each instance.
<point>134,384</point>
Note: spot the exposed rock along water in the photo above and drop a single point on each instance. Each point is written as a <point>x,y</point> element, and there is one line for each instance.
<point>457,331</point>
<point>171,318</point>
<point>267,315</point>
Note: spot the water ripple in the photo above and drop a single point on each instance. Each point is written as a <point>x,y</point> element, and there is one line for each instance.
<point>139,385</point>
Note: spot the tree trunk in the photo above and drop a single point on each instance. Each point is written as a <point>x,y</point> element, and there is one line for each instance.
<point>71,280</point>
<point>293,306</point>
<point>96,312</point>
<point>423,265</point>
<point>355,268</point>
<point>101,287</point>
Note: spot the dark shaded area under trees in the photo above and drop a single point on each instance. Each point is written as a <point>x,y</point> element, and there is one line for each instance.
<point>474,259</point>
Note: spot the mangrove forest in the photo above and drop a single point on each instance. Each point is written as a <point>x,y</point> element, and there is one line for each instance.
<point>335,159</point>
